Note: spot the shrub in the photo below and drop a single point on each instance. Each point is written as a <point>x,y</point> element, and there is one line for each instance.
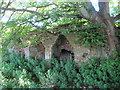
<point>101,73</point>
<point>19,72</point>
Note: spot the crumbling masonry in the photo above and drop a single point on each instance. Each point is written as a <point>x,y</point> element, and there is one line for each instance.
<point>62,47</point>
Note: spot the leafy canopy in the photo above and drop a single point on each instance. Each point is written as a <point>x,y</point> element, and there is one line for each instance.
<point>33,20</point>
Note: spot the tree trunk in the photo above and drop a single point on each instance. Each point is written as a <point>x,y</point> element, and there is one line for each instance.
<point>111,33</point>
<point>112,39</point>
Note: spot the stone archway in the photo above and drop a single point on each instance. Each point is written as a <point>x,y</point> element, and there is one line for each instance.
<point>62,49</point>
<point>37,52</point>
<point>65,54</point>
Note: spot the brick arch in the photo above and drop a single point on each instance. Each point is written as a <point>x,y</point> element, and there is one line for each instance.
<point>62,49</point>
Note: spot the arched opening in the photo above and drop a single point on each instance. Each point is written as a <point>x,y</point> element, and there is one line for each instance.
<point>37,52</point>
<point>62,49</point>
<point>65,54</point>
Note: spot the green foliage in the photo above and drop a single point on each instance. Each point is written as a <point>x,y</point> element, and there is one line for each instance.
<point>115,9</point>
<point>16,72</point>
<point>91,38</point>
<point>20,72</point>
<point>118,29</point>
<point>21,25</point>
<point>27,73</point>
<point>48,16</point>
<point>87,33</point>
<point>102,73</point>
<point>31,27</point>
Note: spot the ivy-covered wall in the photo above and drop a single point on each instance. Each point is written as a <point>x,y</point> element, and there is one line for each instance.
<point>82,53</point>
<point>52,45</point>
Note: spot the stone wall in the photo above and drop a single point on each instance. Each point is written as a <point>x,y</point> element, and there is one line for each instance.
<point>63,46</point>
<point>83,54</point>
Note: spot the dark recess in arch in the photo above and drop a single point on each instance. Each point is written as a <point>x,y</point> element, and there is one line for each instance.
<point>62,49</point>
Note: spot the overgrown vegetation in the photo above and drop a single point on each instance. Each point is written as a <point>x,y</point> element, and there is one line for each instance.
<point>26,27</point>
<point>30,22</point>
<point>19,72</point>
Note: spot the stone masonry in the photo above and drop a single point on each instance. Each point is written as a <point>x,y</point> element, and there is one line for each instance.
<point>62,46</point>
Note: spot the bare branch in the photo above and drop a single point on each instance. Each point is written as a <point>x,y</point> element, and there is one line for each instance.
<point>7,21</point>
<point>117,17</point>
<point>9,3</point>
<point>23,10</point>
<point>0,9</point>
<point>10,17</point>
<point>104,8</point>
<point>44,6</point>
<point>55,4</point>
<point>69,10</point>
<point>84,13</point>
<point>71,15</point>
<point>1,3</point>
<point>39,27</point>
<point>90,7</point>
<point>89,12</point>
<point>41,19</point>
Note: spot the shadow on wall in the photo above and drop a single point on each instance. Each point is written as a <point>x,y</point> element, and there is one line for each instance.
<point>62,49</point>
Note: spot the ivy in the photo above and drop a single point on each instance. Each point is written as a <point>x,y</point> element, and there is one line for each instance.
<point>88,35</point>
<point>91,37</point>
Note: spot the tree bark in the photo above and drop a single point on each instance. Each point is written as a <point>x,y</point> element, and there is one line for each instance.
<point>110,30</point>
<point>103,17</point>
<point>112,39</point>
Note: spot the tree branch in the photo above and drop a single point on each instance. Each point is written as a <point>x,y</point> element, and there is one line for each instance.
<point>71,15</point>
<point>7,21</point>
<point>104,8</point>
<point>1,13</point>
<point>39,27</point>
<point>69,10</point>
<point>44,6</point>
<point>1,3</point>
<point>84,13</point>
<point>23,10</point>
<point>9,3</point>
<point>40,20</point>
<point>117,17</point>
<point>89,12</point>
<point>90,7</point>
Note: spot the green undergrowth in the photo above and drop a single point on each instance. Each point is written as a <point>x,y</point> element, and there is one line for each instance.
<point>19,72</point>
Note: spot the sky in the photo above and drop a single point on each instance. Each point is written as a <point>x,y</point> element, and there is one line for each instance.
<point>95,4</point>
